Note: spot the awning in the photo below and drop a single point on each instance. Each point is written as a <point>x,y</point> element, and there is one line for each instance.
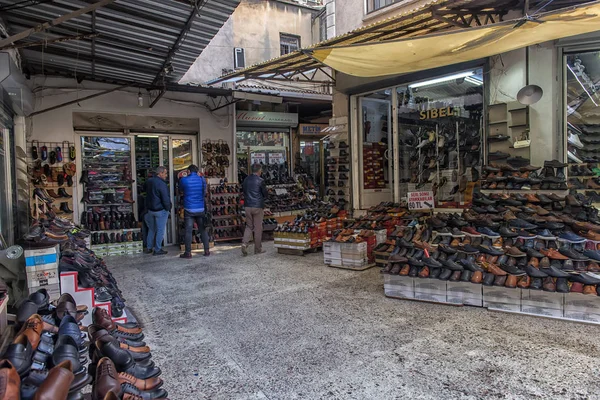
<point>437,50</point>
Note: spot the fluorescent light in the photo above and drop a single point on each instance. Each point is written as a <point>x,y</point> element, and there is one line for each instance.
<point>473,81</point>
<point>583,87</point>
<point>440,80</point>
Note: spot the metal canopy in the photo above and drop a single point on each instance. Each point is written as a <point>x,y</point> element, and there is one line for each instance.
<point>150,43</point>
<point>435,16</point>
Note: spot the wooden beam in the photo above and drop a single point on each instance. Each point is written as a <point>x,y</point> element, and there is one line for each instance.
<point>57,21</point>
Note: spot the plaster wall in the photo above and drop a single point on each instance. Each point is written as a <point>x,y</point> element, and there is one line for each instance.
<point>254,26</point>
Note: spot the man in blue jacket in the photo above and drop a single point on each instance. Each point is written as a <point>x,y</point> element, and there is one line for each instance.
<point>193,187</point>
<point>158,207</point>
<point>255,194</point>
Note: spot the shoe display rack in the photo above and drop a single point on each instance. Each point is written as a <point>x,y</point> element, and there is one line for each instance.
<point>508,130</point>
<point>337,168</point>
<point>215,158</point>
<point>52,172</point>
<point>107,179</point>
<point>225,207</point>
<point>507,173</point>
<point>147,158</point>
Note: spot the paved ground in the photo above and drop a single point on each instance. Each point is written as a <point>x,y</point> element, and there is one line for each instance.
<point>285,327</point>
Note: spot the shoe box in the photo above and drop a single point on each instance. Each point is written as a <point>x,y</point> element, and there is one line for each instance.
<point>502,298</point>
<point>430,290</point>
<point>41,268</point>
<point>373,168</point>
<point>397,286</point>
<point>582,307</point>
<point>465,293</point>
<point>542,303</point>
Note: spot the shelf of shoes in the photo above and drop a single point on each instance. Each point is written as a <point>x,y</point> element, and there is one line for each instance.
<point>225,204</point>
<point>309,229</point>
<point>337,178</point>
<point>501,254</point>
<point>513,174</point>
<point>215,158</point>
<point>508,123</point>
<point>52,171</point>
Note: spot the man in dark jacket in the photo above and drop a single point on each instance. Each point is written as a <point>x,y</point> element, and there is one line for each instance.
<point>193,187</point>
<point>255,194</point>
<point>158,207</point>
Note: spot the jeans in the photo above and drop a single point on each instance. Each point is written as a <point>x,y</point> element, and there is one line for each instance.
<point>157,225</point>
<point>254,225</point>
<point>190,218</point>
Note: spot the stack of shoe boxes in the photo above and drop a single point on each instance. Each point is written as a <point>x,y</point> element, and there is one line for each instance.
<point>542,303</point>
<point>430,290</point>
<point>332,253</point>
<point>464,293</point>
<point>501,298</point>
<point>373,156</point>
<point>41,267</point>
<point>582,307</point>
<point>401,287</point>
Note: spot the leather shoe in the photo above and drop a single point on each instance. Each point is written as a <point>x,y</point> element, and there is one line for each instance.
<point>405,270</point>
<point>576,287</point>
<point>524,282</point>
<point>106,380</point>
<point>549,285</point>
<point>101,318</point>
<point>466,276</point>
<point>500,280</point>
<point>424,273</point>
<point>477,277</point>
<point>536,284</point>
<point>511,282</point>
<point>57,384</point>
<point>10,381</point>
<point>488,279</point>
<point>140,384</point>
<point>445,274</point>
<point>590,289</point>
<point>124,361</point>
<point>158,394</point>
<point>434,273</point>
<point>562,286</point>
<point>455,277</point>
<point>19,354</point>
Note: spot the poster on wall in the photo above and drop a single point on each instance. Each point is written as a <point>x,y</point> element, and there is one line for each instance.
<point>258,158</point>
<point>376,114</point>
<point>276,158</point>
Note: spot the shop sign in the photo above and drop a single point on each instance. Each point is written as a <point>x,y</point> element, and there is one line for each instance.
<point>281,192</point>
<point>261,118</point>
<point>258,158</point>
<point>435,113</point>
<point>276,158</point>
<point>420,200</point>
<point>311,129</point>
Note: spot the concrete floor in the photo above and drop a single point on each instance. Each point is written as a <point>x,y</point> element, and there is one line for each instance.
<point>284,327</point>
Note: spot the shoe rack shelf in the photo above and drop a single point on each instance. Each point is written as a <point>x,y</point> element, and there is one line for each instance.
<point>215,158</point>
<point>230,195</point>
<point>49,179</point>
<point>507,124</point>
<point>333,163</point>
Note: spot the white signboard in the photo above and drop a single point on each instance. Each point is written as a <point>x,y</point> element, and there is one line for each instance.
<point>421,200</point>
<point>260,118</point>
<point>276,158</point>
<point>258,158</point>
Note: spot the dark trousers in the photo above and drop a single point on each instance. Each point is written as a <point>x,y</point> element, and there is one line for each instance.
<point>199,219</point>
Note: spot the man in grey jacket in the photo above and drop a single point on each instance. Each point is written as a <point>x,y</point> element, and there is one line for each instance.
<point>255,194</point>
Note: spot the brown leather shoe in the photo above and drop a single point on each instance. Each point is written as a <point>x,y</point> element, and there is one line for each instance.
<point>142,349</point>
<point>494,269</point>
<point>549,285</point>
<point>107,379</point>
<point>535,262</point>
<point>553,254</point>
<point>405,270</point>
<point>515,252</point>
<point>424,272</point>
<point>102,318</point>
<point>576,287</point>
<point>524,282</point>
<point>589,289</point>
<point>592,236</point>
<point>455,277</point>
<point>129,396</point>
<point>508,216</point>
<point>511,282</point>
<point>532,198</point>
<point>500,280</point>
<point>10,382</point>
<point>591,184</point>
<point>57,384</point>
<point>593,267</point>
<point>477,277</point>
<point>33,328</point>
<point>142,384</point>
<point>111,396</point>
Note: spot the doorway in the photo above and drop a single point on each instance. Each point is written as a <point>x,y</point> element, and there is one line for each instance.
<point>176,153</point>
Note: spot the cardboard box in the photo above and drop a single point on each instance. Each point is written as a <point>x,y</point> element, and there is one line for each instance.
<point>42,259</point>
<point>466,293</point>
<point>493,305</point>
<point>501,294</point>
<point>399,286</point>
<point>542,311</point>
<point>333,261</point>
<point>581,316</point>
<point>42,278</point>
<point>435,297</point>
<point>541,303</point>
<point>101,254</point>
<point>99,247</point>
<point>583,303</point>
<point>116,246</point>
<point>433,286</point>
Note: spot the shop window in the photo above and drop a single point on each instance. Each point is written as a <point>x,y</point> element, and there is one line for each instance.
<point>288,43</point>
<point>439,135</point>
<point>583,120</point>
<point>374,5</point>
<point>375,120</point>
<point>239,58</point>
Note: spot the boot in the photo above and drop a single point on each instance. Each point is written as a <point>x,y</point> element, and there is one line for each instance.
<point>84,177</point>
<point>127,198</point>
<point>51,193</point>
<point>63,193</point>
<point>64,207</point>
<point>69,181</point>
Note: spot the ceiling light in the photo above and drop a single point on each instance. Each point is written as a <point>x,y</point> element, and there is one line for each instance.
<point>440,80</point>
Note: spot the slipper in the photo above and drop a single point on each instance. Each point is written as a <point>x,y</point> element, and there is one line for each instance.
<point>52,158</point>
<point>47,170</point>
<point>34,149</point>
<point>44,153</point>
<point>59,156</point>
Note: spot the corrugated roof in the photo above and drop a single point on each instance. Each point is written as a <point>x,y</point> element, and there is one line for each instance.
<point>434,16</point>
<point>135,37</point>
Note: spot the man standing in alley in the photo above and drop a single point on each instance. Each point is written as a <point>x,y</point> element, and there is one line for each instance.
<point>193,187</point>
<point>158,207</point>
<point>255,194</point>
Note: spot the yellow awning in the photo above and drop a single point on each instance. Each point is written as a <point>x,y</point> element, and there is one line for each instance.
<point>432,51</point>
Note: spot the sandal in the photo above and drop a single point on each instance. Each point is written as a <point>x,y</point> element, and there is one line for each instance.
<point>59,156</point>
<point>44,153</point>
<point>52,158</point>
<point>34,149</point>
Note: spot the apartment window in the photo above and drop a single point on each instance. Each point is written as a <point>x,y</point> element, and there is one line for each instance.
<point>239,58</point>
<point>288,43</point>
<point>374,5</point>
<point>323,27</point>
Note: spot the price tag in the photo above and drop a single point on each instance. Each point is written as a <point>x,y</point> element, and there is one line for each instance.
<point>420,200</point>
<point>280,192</point>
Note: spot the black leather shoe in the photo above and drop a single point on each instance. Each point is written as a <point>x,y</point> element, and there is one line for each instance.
<point>414,271</point>
<point>584,278</point>
<point>19,354</point>
<point>445,274</point>
<point>536,284</point>
<point>512,269</point>
<point>555,271</point>
<point>534,272</point>
<point>466,276</point>
<point>562,286</point>
<point>434,273</point>
<point>124,361</point>
<point>453,266</point>
<point>488,279</point>
<point>430,262</point>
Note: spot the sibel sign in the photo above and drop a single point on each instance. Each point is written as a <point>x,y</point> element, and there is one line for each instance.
<point>260,118</point>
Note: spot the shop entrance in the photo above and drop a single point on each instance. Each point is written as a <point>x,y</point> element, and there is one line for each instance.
<point>176,153</point>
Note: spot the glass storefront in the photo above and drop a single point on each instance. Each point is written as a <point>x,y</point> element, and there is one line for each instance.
<point>269,147</point>
<point>438,136</point>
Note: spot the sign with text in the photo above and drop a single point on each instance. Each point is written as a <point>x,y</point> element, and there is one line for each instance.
<point>261,118</point>
<point>435,113</point>
<point>311,129</point>
<point>276,158</point>
<point>421,200</point>
<point>258,158</point>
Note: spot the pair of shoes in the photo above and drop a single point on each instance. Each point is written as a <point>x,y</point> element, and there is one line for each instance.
<point>161,252</point>
<point>185,255</point>
<point>148,251</point>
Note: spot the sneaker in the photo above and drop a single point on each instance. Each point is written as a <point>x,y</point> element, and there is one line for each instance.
<point>161,252</point>
<point>185,255</point>
<point>573,139</point>
<point>244,250</point>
